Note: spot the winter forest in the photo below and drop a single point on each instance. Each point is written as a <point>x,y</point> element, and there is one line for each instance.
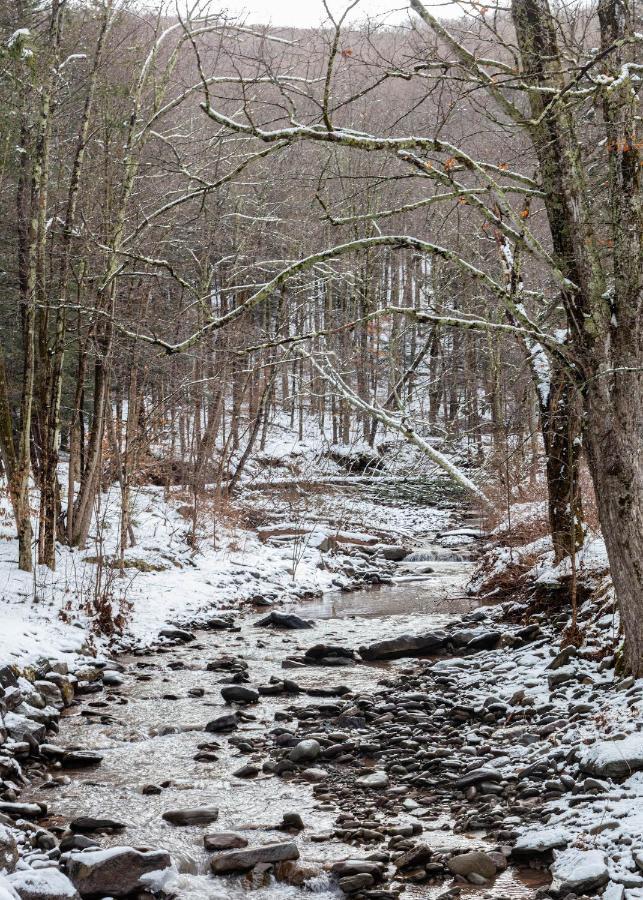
<point>321,450</point>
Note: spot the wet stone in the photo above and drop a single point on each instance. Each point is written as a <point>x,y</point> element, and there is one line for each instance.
<point>241,860</point>
<point>224,840</point>
<point>247,771</point>
<point>354,883</point>
<point>203,815</point>
<point>116,872</point>
<point>236,693</point>
<point>288,621</point>
<point>305,751</point>
<point>89,824</point>
<point>226,722</point>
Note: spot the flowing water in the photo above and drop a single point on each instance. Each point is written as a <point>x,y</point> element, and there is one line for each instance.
<point>149,730</point>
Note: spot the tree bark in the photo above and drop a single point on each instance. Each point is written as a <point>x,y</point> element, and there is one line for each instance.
<point>614,440</point>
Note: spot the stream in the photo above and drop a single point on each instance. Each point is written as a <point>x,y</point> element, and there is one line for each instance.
<point>149,729</point>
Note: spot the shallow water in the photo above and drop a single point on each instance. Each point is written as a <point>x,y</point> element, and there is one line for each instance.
<point>440,593</point>
<point>125,724</point>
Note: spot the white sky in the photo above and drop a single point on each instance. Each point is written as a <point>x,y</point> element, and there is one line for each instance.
<point>303,13</point>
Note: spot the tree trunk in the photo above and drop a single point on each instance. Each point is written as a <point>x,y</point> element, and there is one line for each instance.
<point>561,428</point>
<point>614,439</point>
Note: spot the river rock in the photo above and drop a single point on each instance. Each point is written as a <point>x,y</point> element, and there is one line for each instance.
<point>202,815</point>
<point>474,862</point>
<point>375,780</point>
<point>23,810</point>
<point>247,771</point>
<point>283,620</point>
<point>43,884</point>
<point>328,654</point>
<point>76,842</point>
<point>539,842</point>
<point>476,776</point>
<point>416,856</point>
<point>89,824</point>
<point>405,645</point>
<point>237,693</point>
<point>240,860</point>
<point>226,722</point>
<point>176,634</point>
<point>345,868</point>
<point>314,775</point>
<point>484,639</point>
<point>392,552</point>
<point>291,821</point>
<point>224,840</point>
<point>305,751</point>
<point>579,871</point>
<point>22,728</point>
<point>354,883</point>
<point>115,872</point>
<point>76,759</point>
<point>614,759</point>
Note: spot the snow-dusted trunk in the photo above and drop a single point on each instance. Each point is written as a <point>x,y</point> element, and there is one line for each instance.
<point>603,303</point>
<point>561,428</point>
<point>614,439</point>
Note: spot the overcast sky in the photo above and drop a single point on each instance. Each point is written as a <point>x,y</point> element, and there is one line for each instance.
<point>303,13</point>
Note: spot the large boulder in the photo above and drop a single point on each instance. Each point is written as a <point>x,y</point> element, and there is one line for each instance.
<point>406,645</point>
<point>474,862</point>
<point>240,860</point>
<point>42,884</point>
<point>22,728</point>
<point>579,872</point>
<point>115,872</point>
<point>614,759</point>
<point>539,843</point>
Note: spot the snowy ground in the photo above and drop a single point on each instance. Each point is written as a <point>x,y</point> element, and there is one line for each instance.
<point>170,578</point>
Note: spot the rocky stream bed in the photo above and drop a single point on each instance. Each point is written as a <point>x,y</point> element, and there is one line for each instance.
<point>276,752</point>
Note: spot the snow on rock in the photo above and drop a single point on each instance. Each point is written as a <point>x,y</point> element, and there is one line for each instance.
<point>6,891</point>
<point>42,884</point>
<point>541,840</point>
<point>116,871</point>
<point>615,758</point>
<point>615,891</point>
<point>579,871</point>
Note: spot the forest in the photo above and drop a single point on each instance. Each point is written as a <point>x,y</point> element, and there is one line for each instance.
<point>321,349</point>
